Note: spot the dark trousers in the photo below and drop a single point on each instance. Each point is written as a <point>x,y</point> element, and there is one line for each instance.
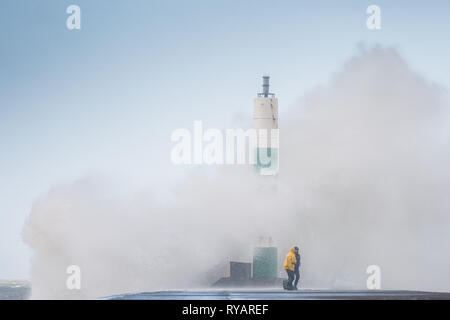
<point>290,274</point>
<point>297,277</point>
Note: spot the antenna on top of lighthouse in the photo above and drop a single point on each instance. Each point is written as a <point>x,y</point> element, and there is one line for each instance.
<point>265,86</point>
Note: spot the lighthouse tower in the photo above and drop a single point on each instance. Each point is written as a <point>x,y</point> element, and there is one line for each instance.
<point>265,121</point>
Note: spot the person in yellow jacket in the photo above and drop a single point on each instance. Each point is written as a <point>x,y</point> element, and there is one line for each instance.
<point>289,264</point>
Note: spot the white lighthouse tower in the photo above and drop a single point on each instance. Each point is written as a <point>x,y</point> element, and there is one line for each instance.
<point>265,122</point>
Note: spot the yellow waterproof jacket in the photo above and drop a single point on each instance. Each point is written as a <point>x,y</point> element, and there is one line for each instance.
<point>290,261</point>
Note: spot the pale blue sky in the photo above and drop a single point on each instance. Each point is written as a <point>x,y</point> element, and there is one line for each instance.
<point>105,99</point>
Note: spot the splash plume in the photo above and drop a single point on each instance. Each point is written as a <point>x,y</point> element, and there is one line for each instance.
<point>364,179</point>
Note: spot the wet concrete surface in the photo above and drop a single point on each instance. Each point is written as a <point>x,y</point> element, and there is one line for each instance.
<point>284,295</point>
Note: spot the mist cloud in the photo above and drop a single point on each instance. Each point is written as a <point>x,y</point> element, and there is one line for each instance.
<point>364,179</point>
